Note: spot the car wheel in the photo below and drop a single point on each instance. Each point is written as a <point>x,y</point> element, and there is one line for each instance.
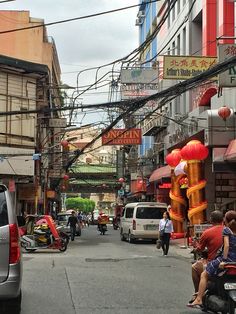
<point>130,239</point>
<point>122,237</point>
<point>12,306</point>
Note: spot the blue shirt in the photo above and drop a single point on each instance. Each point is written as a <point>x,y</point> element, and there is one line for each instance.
<point>167,224</point>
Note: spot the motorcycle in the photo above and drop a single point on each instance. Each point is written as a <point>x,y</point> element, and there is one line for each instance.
<point>115,223</point>
<point>44,236</point>
<point>220,296</point>
<point>102,228</point>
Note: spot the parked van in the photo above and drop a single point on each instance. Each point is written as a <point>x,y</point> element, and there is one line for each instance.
<point>141,221</point>
<point>10,261</point>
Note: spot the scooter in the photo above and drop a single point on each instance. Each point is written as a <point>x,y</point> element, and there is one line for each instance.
<point>44,238</point>
<point>102,228</point>
<point>220,296</point>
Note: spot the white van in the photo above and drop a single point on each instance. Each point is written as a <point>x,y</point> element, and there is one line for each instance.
<point>141,220</point>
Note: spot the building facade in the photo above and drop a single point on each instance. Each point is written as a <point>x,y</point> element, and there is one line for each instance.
<point>192,29</point>
<point>44,128</point>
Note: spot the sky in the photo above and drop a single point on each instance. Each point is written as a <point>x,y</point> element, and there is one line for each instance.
<point>85,43</point>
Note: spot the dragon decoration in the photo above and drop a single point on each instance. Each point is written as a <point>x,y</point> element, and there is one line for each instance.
<point>186,168</point>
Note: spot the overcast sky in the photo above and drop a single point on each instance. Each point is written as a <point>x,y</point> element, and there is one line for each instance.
<point>85,43</point>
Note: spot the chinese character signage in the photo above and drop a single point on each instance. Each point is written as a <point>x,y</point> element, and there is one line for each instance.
<point>185,67</point>
<point>122,137</point>
<point>227,78</point>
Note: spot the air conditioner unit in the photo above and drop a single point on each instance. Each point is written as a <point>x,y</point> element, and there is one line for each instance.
<point>139,21</point>
<point>141,14</point>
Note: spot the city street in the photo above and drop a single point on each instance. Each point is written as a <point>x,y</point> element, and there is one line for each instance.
<point>102,274</point>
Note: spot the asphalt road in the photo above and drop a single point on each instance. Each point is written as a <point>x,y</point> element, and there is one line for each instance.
<point>101,274</point>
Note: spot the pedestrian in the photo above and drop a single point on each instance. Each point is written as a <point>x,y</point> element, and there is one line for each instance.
<point>217,265</point>
<point>210,240</point>
<point>73,221</point>
<point>165,230</point>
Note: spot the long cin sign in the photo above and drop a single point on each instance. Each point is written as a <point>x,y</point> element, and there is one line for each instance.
<point>122,137</point>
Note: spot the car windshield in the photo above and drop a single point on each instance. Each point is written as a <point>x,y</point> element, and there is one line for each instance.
<point>150,212</point>
<point>62,218</point>
<point>3,210</point>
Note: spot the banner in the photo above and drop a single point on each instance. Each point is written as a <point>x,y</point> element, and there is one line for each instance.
<point>122,137</point>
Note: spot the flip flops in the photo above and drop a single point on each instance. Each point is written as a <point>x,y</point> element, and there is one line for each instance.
<point>193,298</point>
<point>194,306</point>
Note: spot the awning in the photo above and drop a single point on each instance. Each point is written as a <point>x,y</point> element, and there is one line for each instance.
<point>230,153</point>
<point>160,173</point>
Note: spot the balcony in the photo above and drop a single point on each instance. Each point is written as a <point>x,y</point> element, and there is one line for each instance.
<point>155,125</point>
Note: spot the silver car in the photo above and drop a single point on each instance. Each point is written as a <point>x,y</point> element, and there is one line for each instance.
<point>10,256</point>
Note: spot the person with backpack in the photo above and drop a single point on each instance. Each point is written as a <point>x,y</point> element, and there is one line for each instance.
<point>165,230</point>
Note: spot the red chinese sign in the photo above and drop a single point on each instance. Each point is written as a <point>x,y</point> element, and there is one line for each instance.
<point>122,137</point>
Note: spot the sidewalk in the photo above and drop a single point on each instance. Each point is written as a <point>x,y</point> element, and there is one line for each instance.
<point>180,248</point>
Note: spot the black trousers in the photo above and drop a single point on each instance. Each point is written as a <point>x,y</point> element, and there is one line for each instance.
<point>72,232</point>
<point>165,243</point>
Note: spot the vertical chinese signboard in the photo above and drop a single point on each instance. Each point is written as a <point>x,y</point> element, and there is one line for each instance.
<point>228,77</point>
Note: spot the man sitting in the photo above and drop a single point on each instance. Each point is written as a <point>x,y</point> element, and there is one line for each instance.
<point>212,240</point>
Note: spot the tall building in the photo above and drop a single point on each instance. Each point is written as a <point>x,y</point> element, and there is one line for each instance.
<point>185,30</point>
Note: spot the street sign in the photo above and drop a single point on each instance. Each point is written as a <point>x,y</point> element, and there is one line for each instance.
<point>57,123</point>
<point>227,78</point>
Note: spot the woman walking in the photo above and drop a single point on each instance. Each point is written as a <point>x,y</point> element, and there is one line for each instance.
<point>165,230</point>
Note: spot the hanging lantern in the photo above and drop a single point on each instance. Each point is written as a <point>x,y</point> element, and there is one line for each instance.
<point>224,112</point>
<point>194,150</point>
<point>66,177</point>
<point>121,180</point>
<point>173,158</point>
<point>64,143</point>
<point>63,187</point>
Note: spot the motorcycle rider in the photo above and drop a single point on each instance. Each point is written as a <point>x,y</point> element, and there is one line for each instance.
<point>228,255</point>
<point>211,239</point>
<point>73,221</point>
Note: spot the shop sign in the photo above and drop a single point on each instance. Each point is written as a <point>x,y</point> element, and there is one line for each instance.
<point>122,137</point>
<point>51,194</point>
<point>186,67</point>
<point>228,77</point>
<point>139,75</point>
<point>57,123</point>
<point>164,186</point>
<point>129,91</point>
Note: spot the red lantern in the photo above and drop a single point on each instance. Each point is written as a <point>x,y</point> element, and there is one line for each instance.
<point>224,112</point>
<point>64,143</point>
<point>121,180</point>
<point>194,150</point>
<point>173,158</point>
<point>66,177</point>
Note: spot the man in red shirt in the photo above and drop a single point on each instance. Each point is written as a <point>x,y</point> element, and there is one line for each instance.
<point>212,240</point>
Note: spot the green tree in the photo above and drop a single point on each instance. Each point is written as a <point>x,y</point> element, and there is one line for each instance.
<point>80,204</point>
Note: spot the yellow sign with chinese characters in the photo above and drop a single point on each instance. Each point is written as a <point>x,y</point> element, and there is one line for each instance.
<point>185,67</point>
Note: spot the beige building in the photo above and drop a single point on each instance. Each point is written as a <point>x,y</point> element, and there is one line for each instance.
<point>25,87</point>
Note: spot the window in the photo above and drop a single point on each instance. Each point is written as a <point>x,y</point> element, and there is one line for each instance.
<point>150,212</point>
<point>184,42</point>
<point>129,212</point>
<point>3,210</point>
